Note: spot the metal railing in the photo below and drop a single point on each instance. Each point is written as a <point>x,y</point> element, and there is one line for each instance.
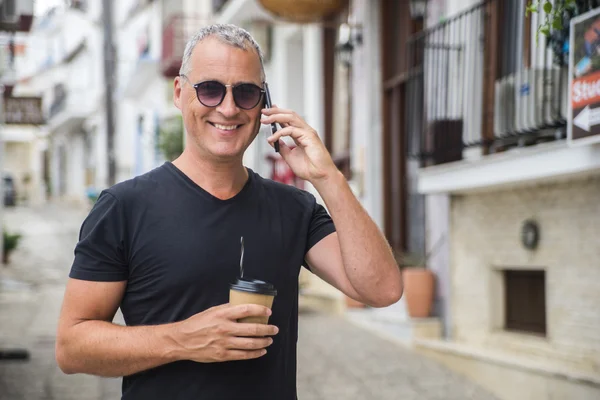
<point>480,83</point>
<point>177,30</point>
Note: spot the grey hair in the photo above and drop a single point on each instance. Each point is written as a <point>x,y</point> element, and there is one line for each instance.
<point>227,33</point>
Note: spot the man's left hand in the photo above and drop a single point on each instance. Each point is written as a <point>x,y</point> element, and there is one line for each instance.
<point>309,160</point>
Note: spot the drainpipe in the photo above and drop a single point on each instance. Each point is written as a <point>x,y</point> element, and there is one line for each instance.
<point>109,80</point>
<point>1,153</point>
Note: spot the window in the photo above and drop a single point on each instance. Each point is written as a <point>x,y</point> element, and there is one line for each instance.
<point>525,301</point>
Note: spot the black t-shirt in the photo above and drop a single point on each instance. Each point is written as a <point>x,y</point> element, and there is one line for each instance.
<point>178,247</point>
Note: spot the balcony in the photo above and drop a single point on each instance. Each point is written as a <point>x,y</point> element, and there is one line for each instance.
<point>486,105</point>
<point>480,85</point>
<point>177,30</point>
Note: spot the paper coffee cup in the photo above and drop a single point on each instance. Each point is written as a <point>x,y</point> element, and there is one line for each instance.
<point>252,291</point>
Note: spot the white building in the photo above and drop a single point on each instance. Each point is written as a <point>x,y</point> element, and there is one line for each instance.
<point>457,147</point>
<point>18,142</point>
<point>65,64</point>
<point>516,203</point>
<point>330,74</point>
<point>62,66</point>
<point>294,67</point>
<point>150,37</point>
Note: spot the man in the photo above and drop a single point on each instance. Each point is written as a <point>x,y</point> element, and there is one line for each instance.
<point>165,246</point>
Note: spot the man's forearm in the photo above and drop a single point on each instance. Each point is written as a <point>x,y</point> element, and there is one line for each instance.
<point>106,349</point>
<point>368,260</point>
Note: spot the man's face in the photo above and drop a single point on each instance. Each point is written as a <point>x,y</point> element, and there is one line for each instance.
<point>213,60</point>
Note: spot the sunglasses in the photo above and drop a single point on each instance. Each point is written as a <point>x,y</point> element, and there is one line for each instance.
<point>211,93</point>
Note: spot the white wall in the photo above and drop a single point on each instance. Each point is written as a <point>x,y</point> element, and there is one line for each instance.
<point>75,170</point>
<point>52,39</point>
<point>568,216</point>
<point>97,125</point>
<point>366,112</point>
<point>454,7</point>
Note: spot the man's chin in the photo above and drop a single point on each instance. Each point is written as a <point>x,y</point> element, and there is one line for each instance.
<point>227,150</point>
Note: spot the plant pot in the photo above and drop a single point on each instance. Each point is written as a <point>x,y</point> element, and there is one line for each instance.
<point>304,10</point>
<point>419,287</point>
<point>351,303</point>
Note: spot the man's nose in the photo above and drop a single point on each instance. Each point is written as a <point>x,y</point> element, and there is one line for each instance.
<point>228,107</point>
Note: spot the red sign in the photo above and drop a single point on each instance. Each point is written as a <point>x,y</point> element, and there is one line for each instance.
<point>583,124</point>
<point>281,172</point>
<point>586,90</point>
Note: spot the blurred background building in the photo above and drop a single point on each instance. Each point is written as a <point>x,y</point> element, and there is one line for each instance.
<point>448,118</point>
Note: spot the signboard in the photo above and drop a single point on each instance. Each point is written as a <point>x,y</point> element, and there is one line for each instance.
<point>23,110</point>
<point>583,124</point>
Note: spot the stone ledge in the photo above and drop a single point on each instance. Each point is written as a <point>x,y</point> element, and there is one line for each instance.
<point>320,301</point>
<point>400,331</point>
<point>507,360</point>
<point>426,328</point>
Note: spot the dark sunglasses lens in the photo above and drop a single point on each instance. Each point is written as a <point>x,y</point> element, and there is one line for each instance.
<point>210,93</point>
<point>247,95</point>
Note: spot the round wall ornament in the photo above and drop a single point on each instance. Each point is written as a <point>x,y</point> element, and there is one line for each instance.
<point>530,234</point>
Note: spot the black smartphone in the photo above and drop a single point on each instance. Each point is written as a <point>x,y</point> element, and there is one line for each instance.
<point>268,104</point>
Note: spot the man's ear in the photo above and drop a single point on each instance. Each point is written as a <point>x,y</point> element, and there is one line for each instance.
<point>177,90</point>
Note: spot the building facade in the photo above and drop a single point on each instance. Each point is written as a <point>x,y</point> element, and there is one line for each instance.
<point>18,142</point>
<point>332,73</point>
<point>449,119</point>
<point>64,64</point>
<point>514,201</point>
<point>61,67</point>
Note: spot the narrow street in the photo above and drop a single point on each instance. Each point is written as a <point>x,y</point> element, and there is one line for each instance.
<point>336,359</point>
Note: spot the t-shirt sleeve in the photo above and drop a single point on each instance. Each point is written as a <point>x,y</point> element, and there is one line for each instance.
<point>321,225</point>
<point>100,254</point>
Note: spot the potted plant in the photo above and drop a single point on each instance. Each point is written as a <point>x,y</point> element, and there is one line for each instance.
<point>10,243</point>
<point>419,282</point>
<point>305,10</point>
<point>419,285</point>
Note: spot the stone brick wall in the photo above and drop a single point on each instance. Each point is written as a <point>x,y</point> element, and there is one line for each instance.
<point>485,238</point>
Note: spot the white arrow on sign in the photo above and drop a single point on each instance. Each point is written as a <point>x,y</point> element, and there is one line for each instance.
<point>587,118</point>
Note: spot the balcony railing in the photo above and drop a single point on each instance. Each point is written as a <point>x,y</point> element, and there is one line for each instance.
<point>479,83</point>
<point>177,30</point>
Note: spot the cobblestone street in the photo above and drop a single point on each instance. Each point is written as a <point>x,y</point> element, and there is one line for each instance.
<point>337,359</point>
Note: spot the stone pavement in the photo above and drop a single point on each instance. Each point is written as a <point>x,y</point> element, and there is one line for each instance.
<point>340,360</point>
<point>336,359</point>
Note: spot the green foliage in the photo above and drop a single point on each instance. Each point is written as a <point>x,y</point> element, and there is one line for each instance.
<point>171,137</point>
<point>553,14</point>
<point>10,243</point>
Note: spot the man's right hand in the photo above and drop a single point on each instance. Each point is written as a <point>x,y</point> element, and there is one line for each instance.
<point>215,335</point>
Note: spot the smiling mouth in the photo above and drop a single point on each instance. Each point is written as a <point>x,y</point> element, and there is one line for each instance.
<point>225,127</point>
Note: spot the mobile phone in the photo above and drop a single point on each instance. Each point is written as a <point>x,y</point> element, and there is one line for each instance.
<point>268,104</point>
